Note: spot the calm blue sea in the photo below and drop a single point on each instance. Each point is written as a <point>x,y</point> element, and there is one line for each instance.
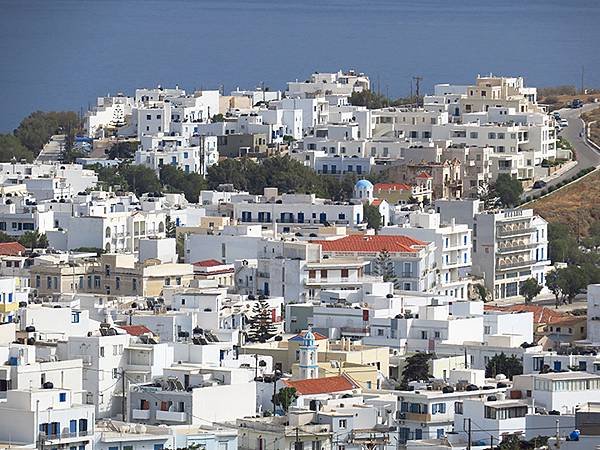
<point>62,54</point>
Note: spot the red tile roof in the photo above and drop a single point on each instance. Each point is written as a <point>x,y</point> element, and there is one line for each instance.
<point>391,187</point>
<point>377,202</point>
<point>11,249</point>
<point>423,175</point>
<point>370,244</point>
<point>207,263</point>
<point>136,330</point>
<point>541,314</point>
<point>300,336</point>
<point>322,385</point>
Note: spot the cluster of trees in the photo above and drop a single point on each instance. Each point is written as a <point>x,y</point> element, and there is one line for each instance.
<point>29,239</point>
<point>123,150</point>
<point>505,192</point>
<point>582,257</point>
<point>416,368</point>
<point>35,131</point>
<point>502,364</point>
<point>374,100</point>
<point>282,172</point>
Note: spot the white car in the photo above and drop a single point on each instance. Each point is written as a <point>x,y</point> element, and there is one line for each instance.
<point>564,123</point>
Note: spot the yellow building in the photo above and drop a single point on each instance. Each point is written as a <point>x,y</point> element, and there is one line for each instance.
<point>348,354</point>
<point>365,375</point>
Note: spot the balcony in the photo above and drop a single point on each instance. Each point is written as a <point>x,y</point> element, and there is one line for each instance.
<point>418,417</point>
<point>514,231</point>
<point>171,416</point>
<point>140,414</point>
<point>515,248</point>
<point>515,265</point>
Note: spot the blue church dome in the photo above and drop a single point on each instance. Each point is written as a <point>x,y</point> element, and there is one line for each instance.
<point>308,339</point>
<point>363,184</point>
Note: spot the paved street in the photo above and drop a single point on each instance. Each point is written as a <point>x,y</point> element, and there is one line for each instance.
<point>586,155</point>
<point>52,150</point>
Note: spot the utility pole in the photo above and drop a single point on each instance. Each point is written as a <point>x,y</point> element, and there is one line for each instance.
<point>123,398</point>
<point>297,442</point>
<point>582,74</point>
<point>418,80</point>
<point>491,442</point>
<point>468,432</point>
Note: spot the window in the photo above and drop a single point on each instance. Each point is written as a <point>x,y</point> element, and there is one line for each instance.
<point>101,352</point>
<point>72,426</point>
<point>117,283</point>
<point>62,397</point>
<point>323,274</point>
<point>134,284</point>
<point>423,334</point>
<point>486,329</point>
<point>438,408</point>
<point>458,408</point>
<point>342,424</point>
<point>344,273</point>
<point>115,373</point>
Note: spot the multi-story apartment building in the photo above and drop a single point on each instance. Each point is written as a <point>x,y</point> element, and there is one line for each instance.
<point>116,274</point>
<point>103,356</point>
<point>413,260</point>
<point>297,209</point>
<point>49,416</point>
<point>181,396</point>
<point>476,167</point>
<point>193,154</point>
<point>509,247</point>
<point>452,249</point>
<point>445,176</point>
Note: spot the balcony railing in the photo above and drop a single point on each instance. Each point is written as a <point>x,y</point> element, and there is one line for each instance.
<point>141,414</point>
<point>516,248</point>
<point>514,265</point>
<point>171,416</point>
<point>515,231</point>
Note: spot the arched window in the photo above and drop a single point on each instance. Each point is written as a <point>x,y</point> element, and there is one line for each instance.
<point>161,227</point>
<point>107,232</point>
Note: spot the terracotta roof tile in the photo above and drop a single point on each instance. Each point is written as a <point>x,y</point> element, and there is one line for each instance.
<point>11,249</point>
<point>391,187</point>
<point>136,330</point>
<point>208,263</point>
<point>322,385</point>
<point>370,244</point>
<point>541,314</point>
<point>423,175</point>
<point>300,336</point>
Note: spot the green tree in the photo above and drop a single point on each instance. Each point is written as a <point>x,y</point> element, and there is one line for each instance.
<point>372,216</point>
<point>217,118</point>
<point>553,286</point>
<point>140,179</point>
<point>502,364</point>
<point>176,179</point>
<point>123,150</point>
<point>11,147</point>
<point>508,189</point>
<point>261,323</point>
<point>416,368</point>
<point>482,292</point>
<point>6,238</point>
<point>170,228</point>
<point>571,281</point>
<point>383,266</point>
<point>110,176</point>
<point>33,239</point>
<point>69,155</point>
<point>35,130</point>
<point>530,289</point>
<point>285,398</point>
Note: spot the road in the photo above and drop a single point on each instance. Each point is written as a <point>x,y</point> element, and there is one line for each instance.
<point>52,151</point>
<point>586,155</point>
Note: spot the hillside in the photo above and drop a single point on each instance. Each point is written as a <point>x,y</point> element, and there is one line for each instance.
<point>577,205</point>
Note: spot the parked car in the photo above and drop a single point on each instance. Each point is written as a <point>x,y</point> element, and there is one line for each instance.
<point>539,184</point>
<point>564,123</point>
<point>576,103</point>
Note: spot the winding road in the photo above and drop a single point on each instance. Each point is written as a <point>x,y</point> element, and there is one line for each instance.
<point>586,155</point>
